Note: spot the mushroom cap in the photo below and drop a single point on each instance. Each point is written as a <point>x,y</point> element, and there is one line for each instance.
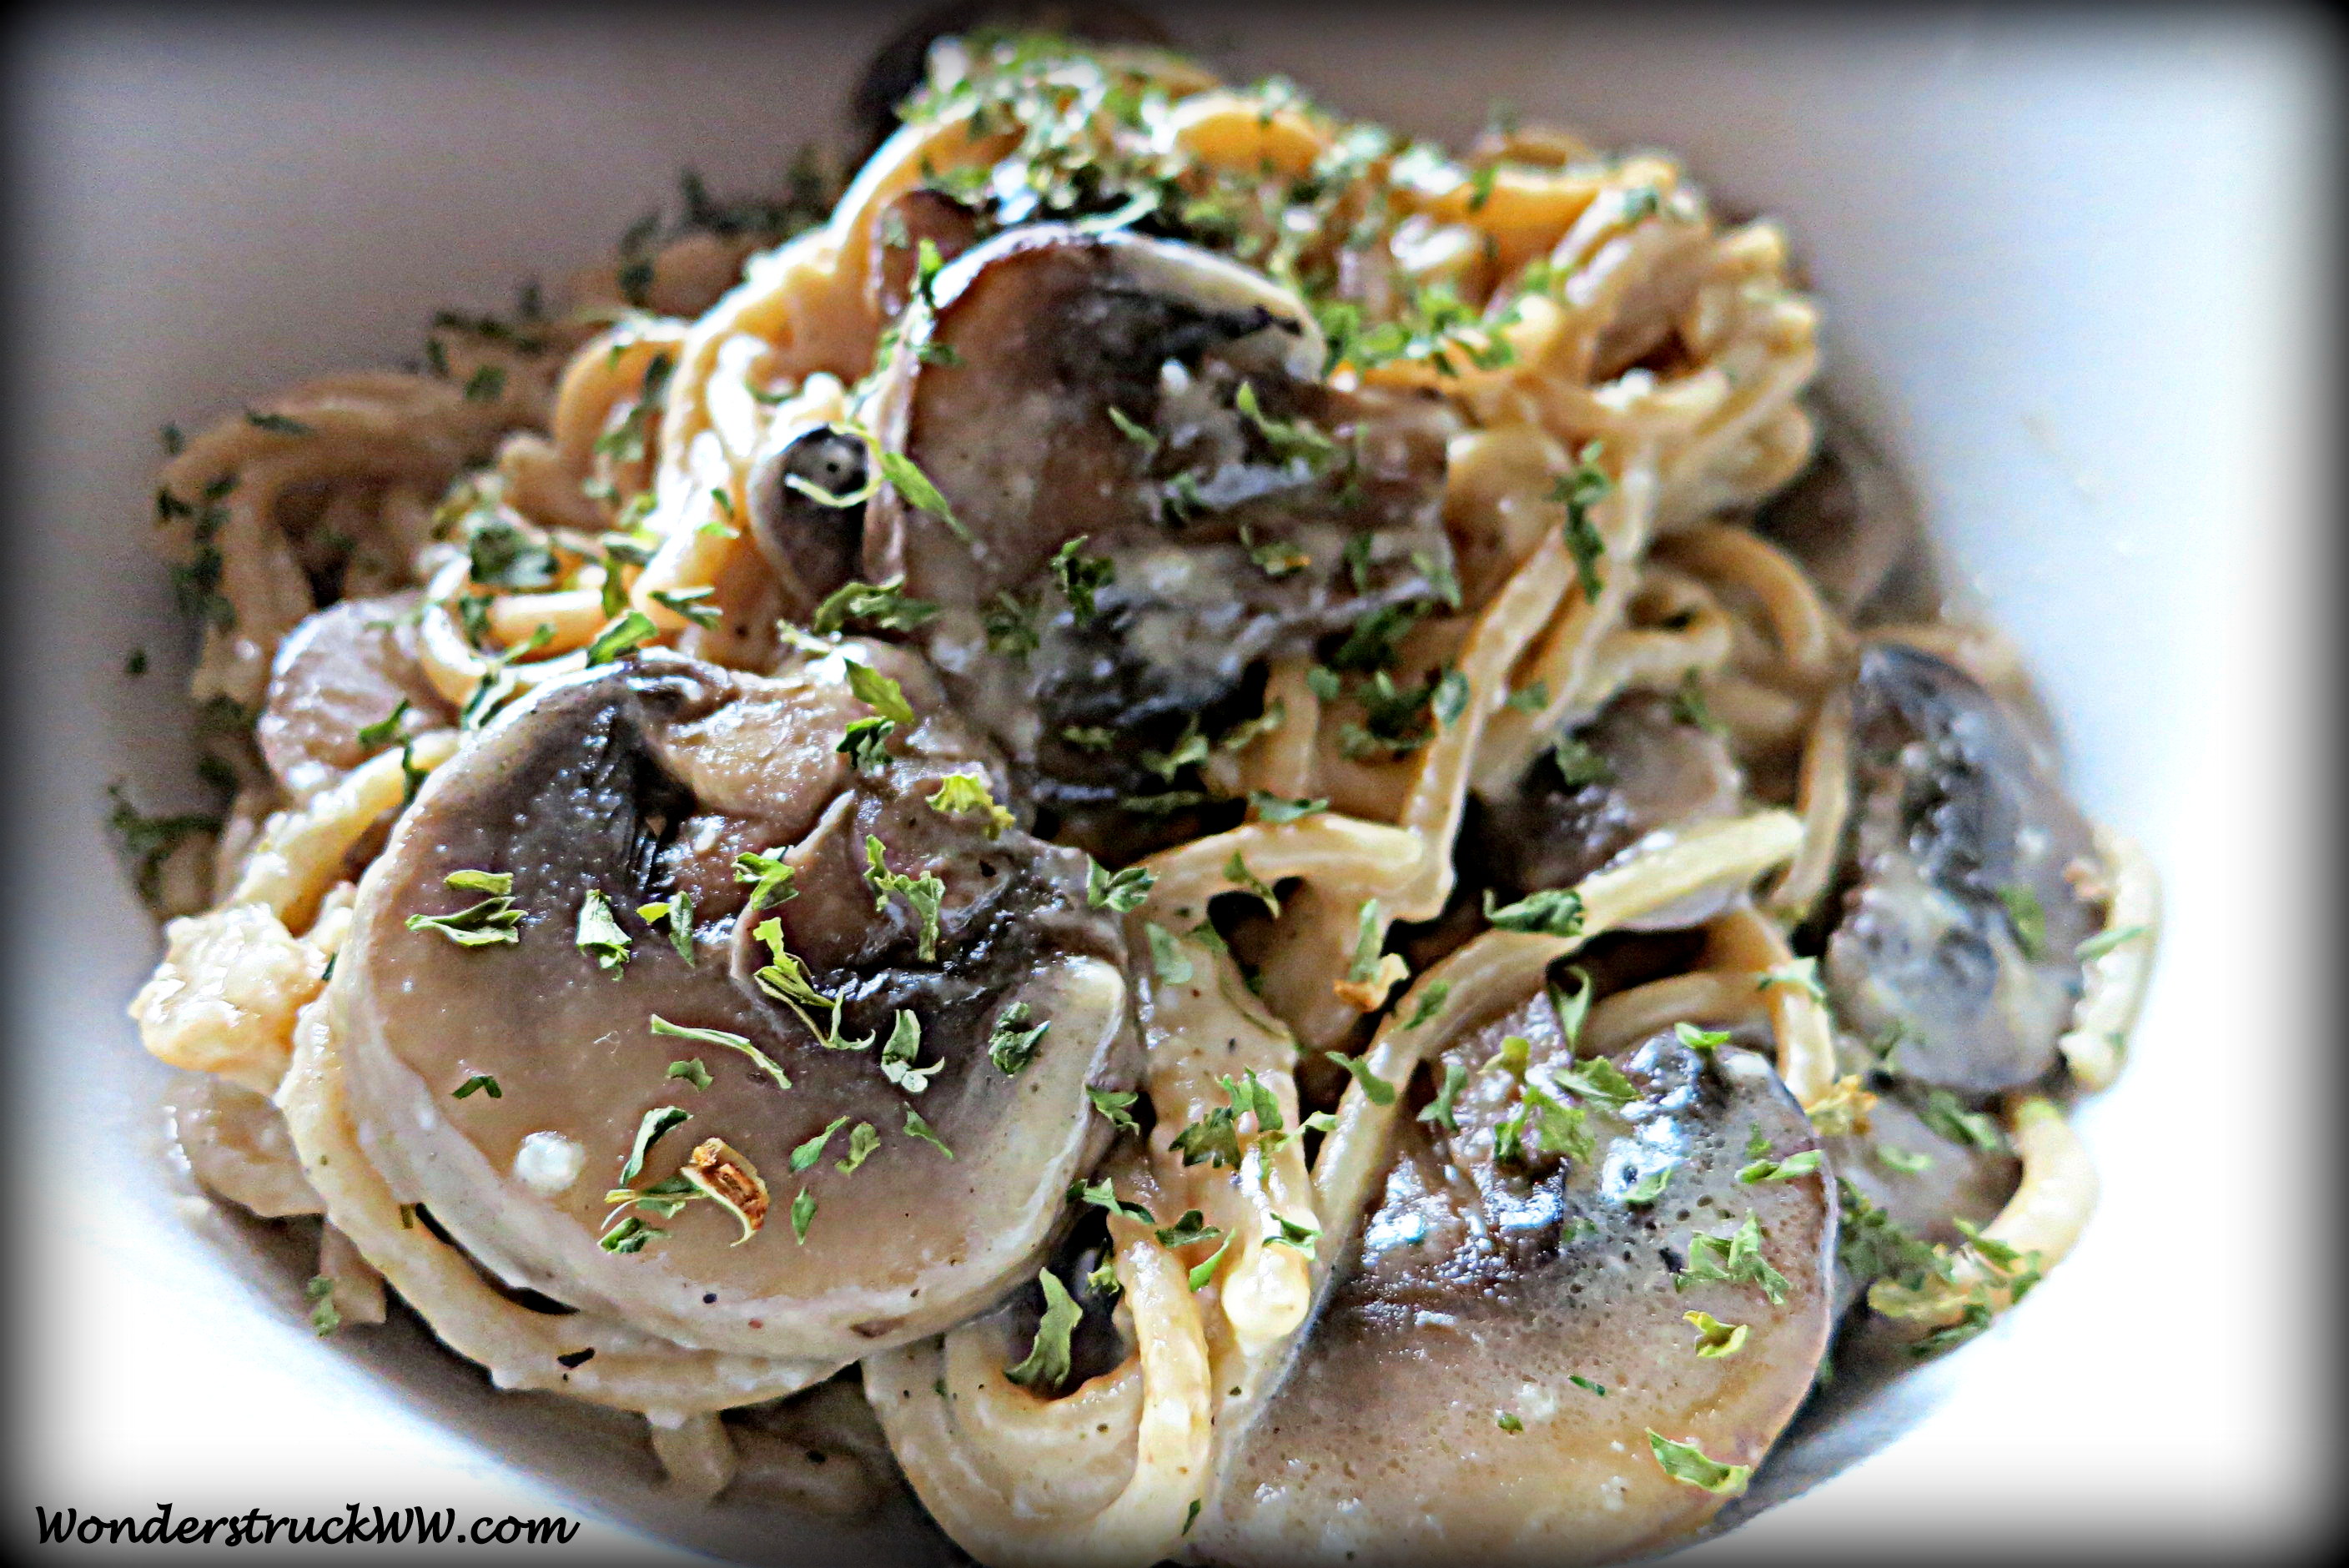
<point>347,667</point>
<point>1050,326</point>
<point>1653,771</point>
<point>640,779</point>
<point>1958,932</point>
<point>1061,385</point>
<point>1476,1288</point>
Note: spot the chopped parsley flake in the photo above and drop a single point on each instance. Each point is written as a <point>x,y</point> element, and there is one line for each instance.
<point>1687,1463</point>
<point>324,1317</point>
<point>905,1043</point>
<point>482,1083</point>
<point>629,1236</point>
<point>1553,911</point>
<point>1572,1007</point>
<point>726,1038</point>
<point>1114,1104</point>
<point>1953,1121</point>
<point>1704,1042</point>
<point>688,603</point>
<point>922,894</point>
<point>1192,1227</point>
<point>770,880</point>
<point>1081,576</point>
<point>1440,1111</point>
<point>656,1122</point>
<point>676,912</point>
<point>863,1139</point>
<point>492,921</point>
<point>916,1128</point>
<point>1046,1365</point>
<point>1579,491</point>
<point>1009,1046</point>
<point>1122,891</point>
<point>879,693</point>
<point>1199,1276</point>
<point>884,606</point>
<point>2105,942</point>
<point>1805,1163</point>
<point>966,794</point>
<point>1101,1195</point>
<point>910,483</point>
<point>2027,918</point>
<point>1430,1003</point>
<point>1377,1090</point>
<point>1167,959</point>
<point>623,634</point>
<point>1715,1339</point>
<point>599,935</point>
<point>1735,1259</point>
<point>804,1155</point>
<point>1277,809</point>
<point>862,743</point>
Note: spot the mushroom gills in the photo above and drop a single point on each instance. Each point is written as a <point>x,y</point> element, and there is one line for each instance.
<point>1487,1301</point>
<point>1953,955</point>
<point>634,785</point>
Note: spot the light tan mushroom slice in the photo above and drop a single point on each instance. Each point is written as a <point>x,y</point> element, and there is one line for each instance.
<point>342,670</point>
<point>640,781</point>
<point>1446,1403</point>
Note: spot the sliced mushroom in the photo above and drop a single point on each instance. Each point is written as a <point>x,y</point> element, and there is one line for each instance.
<point>804,517</point>
<point>1854,526</point>
<point>341,671</point>
<point>643,781</point>
<point>1923,1179</point>
<point>1431,1413</point>
<point>1633,770</point>
<point>1162,405</point>
<point>906,220</point>
<point>1954,953</point>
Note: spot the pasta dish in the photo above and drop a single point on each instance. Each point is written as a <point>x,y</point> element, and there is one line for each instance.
<point>1231,838</point>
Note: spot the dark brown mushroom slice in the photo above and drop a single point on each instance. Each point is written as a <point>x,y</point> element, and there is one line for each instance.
<point>1633,770</point>
<point>1094,392</point>
<point>1853,526</point>
<point>342,671</point>
<point>1954,950</point>
<point>636,781</point>
<point>906,220</point>
<point>1919,1176</point>
<point>1431,1411</point>
<point>807,514</point>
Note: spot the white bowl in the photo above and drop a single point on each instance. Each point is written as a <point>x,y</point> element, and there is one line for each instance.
<point>2064,266</point>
